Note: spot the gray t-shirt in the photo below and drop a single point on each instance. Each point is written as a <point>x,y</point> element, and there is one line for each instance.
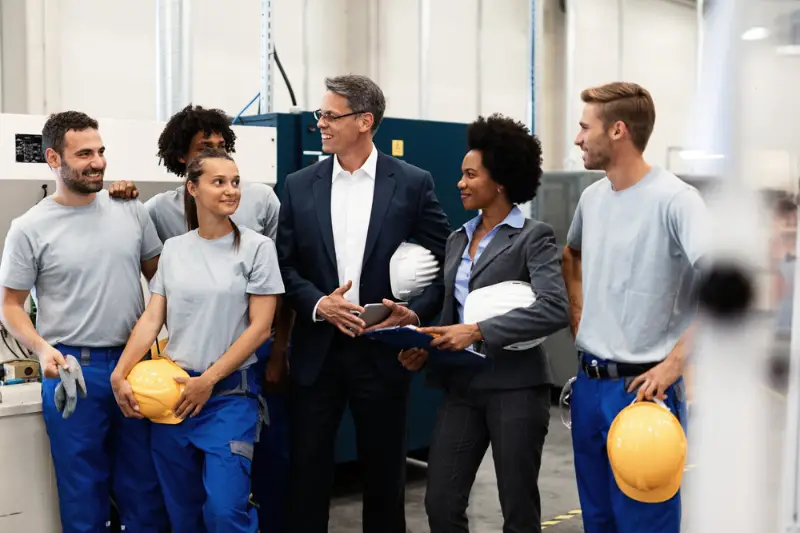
<point>206,284</point>
<point>639,253</point>
<point>258,210</point>
<point>84,266</point>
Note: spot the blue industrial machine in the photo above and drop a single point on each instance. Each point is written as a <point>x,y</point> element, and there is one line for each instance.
<point>437,147</point>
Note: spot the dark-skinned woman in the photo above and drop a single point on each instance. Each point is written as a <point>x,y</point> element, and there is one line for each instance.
<point>506,401</point>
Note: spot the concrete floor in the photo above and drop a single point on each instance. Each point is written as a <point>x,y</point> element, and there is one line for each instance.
<point>560,507</point>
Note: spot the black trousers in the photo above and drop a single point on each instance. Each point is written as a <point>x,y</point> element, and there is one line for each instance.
<point>515,423</point>
<point>379,405</point>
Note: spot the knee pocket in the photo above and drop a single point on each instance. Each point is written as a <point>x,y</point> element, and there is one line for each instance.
<point>242,449</point>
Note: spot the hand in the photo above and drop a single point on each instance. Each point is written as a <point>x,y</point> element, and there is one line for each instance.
<point>50,360</point>
<point>413,359</point>
<point>401,316</point>
<point>123,190</point>
<point>124,396</point>
<point>456,337</point>
<point>194,396</point>
<point>339,312</point>
<point>276,371</point>
<point>656,381</point>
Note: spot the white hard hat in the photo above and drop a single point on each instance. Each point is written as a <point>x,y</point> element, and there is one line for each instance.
<point>494,300</point>
<point>411,269</point>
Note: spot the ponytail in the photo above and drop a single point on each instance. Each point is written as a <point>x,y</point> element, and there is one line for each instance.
<point>237,234</point>
<point>190,210</point>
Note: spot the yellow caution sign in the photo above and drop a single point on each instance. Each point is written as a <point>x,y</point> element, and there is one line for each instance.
<point>397,148</point>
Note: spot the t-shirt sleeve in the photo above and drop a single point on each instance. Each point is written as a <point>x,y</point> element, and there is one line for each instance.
<point>157,283</point>
<point>271,214</point>
<point>152,206</point>
<point>265,276</point>
<point>151,243</point>
<point>18,266</point>
<point>575,233</point>
<point>687,217</point>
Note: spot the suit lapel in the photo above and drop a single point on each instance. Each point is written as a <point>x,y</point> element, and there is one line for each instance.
<point>381,197</point>
<point>322,203</point>
<point>501,241</point>
<point>452,262</point>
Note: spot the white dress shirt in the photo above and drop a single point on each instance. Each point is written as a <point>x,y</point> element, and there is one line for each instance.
<point>351,208</point>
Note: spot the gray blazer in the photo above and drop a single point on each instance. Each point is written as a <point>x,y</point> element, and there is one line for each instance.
<point>529,254</point>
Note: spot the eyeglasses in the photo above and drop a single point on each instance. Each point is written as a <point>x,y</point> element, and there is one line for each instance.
<point>330,117</point>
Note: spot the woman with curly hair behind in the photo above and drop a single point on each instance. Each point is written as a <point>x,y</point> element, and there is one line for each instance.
<point>506,401</point>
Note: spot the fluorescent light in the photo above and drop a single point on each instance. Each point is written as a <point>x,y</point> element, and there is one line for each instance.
<point>695,155</point>
<point>756,33</point>
<point>788,50</point>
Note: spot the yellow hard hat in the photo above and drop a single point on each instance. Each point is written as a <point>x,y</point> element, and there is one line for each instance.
<point>647,451</point>
<point>155,389</point>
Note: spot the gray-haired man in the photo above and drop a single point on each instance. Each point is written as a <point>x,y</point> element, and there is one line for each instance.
<point>340,222</point>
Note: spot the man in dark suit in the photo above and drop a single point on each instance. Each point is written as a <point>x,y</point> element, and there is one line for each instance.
<point>340,222</point>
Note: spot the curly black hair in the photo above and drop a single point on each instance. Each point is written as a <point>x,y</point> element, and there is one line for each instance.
<point>176,139</point>
<point>511,154</point>
<point>57,126</point>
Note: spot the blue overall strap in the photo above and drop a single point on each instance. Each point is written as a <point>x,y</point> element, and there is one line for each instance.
<point>239,384</point>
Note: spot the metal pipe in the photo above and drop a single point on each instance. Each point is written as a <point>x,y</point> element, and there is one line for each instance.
<point>304,50</point>
<point>479,59</point>
<point>173,57</point>
<point>416,462</point>
<point>729,489</point>
<point>700,17</point>
<point>374,39</point>
<point>424,44</point>
<point>569,82</point>
<point>538,73</point>
<point>267,52</point>
<point>2,106</point>
<point>621,40</point>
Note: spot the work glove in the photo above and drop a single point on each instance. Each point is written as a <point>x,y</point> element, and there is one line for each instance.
<point>72,384</point>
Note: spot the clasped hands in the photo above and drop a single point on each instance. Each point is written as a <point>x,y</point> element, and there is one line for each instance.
<point>453,338</point>
<point>196,392</point>
<point>336,310</point>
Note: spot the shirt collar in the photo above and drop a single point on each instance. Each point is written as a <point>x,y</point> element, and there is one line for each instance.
<point>515,219</point>
<point>369,167</point>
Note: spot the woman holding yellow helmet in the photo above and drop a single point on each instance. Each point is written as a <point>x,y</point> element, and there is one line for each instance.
<point>216,287</point>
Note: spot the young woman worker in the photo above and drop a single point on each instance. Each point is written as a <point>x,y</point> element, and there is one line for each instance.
<point>216,287</point>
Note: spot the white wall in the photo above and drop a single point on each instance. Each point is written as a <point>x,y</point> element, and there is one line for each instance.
<point>107,54</point>
<point>650,42</point>
<point>100,56</point>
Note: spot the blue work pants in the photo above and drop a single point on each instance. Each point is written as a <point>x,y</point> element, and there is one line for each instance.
<point>271,461</point>
<point>204,462</point>
<point>605,509</point>
<point>97,453</point>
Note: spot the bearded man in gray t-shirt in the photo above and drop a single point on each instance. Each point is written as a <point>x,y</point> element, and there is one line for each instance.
<point>81,254</point>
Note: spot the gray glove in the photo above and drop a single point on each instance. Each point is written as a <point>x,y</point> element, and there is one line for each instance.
<point>72,384</point>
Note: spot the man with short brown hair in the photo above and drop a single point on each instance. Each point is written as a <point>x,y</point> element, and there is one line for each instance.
<point>632,251</point>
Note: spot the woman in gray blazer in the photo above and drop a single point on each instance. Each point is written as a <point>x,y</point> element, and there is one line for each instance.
<point>506,401</point>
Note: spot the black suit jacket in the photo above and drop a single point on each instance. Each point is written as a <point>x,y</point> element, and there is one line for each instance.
<point>528,254</point>
<point>404,208</point>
